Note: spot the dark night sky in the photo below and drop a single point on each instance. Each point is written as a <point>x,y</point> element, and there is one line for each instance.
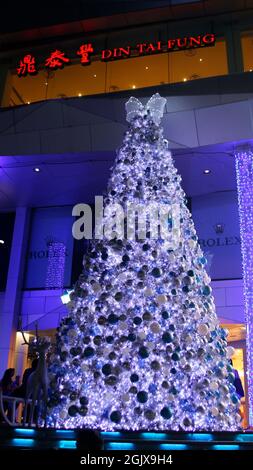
<point>20,15</point>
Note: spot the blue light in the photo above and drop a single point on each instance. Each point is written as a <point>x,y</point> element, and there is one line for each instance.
<point>173,446</point>
<point>225,447</point>
<point>17,442</point>
<point>120,446</point>
<point>111,434</point>
<point>65,433</point>
<point>244,438</point>
<point>67,444</point>
<point>153,436</point>
<point>200,437</point>
<point>29,432</point>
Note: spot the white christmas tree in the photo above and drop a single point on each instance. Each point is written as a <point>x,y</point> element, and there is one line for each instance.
<point>142,347</point>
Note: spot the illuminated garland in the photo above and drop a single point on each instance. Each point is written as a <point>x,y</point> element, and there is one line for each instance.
<point>244,174</point>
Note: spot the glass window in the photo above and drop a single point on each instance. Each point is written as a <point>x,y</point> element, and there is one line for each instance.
<point>121,74</point>
<point>247,51</point>
<point>137,73</point>
<point>191,64</point>
<point>72,80</point>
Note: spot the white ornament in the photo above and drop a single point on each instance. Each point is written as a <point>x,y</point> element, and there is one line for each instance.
<point>148,292</point>
<point>161,299</point>
<point>214,386</point>
<point>197,315</point>
<point>191,243</point>
<point>188,339</point>
<point>63,414</point>
<point>125,397</point>
<point>126,351</point>
<point>123,326</point>
<point>214,411</point>
<point>171,258</point>
<point>155,327</point>
<point>171,397</point>
<point>224,372</point>
<point>155,106</point>
<point>109,396</point>
<point>230,352</point>
<point>203,329</point>
<point>142,335</point>
<point>72,333</point>
<point>96,287</point>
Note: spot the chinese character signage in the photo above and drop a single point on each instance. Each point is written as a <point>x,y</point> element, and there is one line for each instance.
<point>28,65</point>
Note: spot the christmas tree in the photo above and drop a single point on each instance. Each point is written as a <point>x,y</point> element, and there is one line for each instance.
<point>142,347</point>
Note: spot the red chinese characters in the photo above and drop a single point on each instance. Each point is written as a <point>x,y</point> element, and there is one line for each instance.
<point>84,51</point>
<point>26,66</point>
<point>56,60</point>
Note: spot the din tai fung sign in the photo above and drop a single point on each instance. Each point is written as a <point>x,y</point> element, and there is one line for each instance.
<point>57,59</point>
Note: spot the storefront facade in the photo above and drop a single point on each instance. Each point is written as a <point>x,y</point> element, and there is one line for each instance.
<point>58,110</point>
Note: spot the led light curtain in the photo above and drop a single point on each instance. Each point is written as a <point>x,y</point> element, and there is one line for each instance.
<point>56,265</point>
<point>244,172</point>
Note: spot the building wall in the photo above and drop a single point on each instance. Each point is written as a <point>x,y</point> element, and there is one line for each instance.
<point>1,301</point>
<point>206,111</point>
<point>45,306</point>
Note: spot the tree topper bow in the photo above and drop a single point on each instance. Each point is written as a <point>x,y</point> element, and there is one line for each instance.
<point>155,106</point>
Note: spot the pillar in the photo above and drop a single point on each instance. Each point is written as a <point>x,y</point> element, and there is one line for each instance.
<point>244,175</point>
<point>12,298</point>
<point>4,74</point>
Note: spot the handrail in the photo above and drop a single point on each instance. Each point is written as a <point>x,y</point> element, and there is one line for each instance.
<point>14,401</point>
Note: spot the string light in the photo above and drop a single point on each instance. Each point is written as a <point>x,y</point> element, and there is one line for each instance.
<point>142,347</point>
<point>244,175</point>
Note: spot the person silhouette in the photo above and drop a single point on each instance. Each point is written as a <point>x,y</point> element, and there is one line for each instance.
<point>21,391</point>
<point>8,385</point>
<point>237,382</point>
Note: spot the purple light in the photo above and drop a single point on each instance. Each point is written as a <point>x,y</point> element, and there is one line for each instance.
<point>244,174</point>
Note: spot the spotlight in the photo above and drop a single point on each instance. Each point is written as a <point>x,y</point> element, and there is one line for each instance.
<point>79,94</point>
<point>28,102</point>
<point>95,76</point>
<point>201,60</point>
<point>133,86</point>
<point>185,80</point>
<point>1,242</point>
<point>207,172</point>
<point>36,169</point>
